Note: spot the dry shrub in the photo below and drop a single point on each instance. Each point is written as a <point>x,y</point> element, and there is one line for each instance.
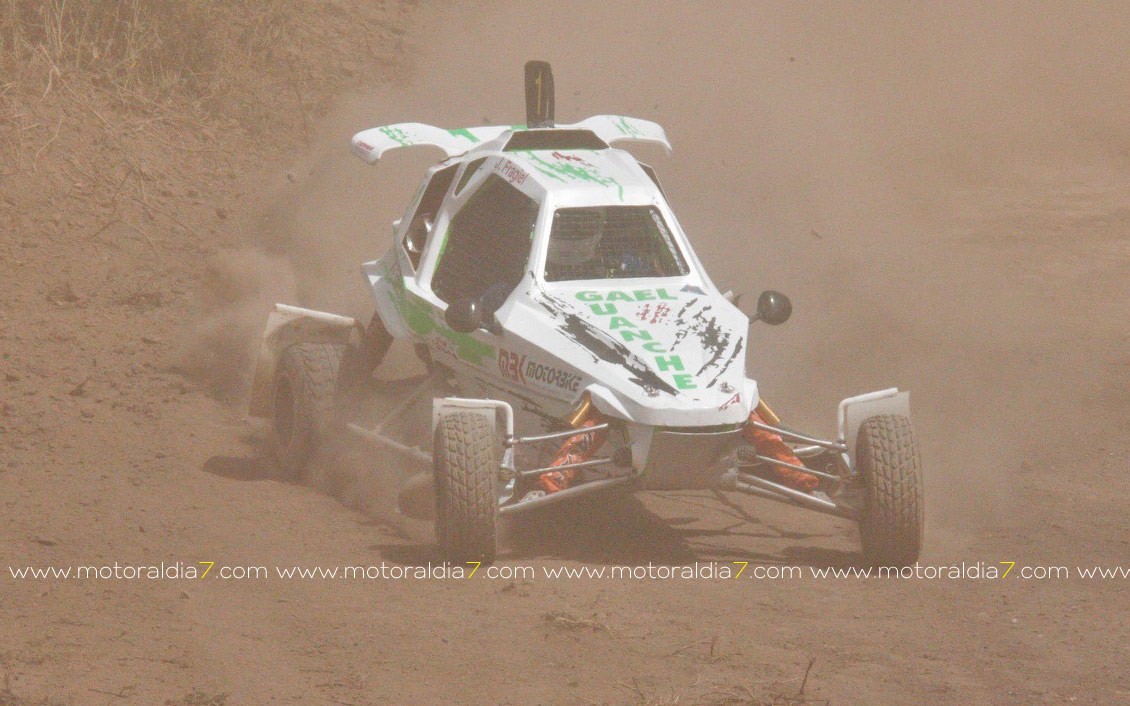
<point>128,44</point>
<point>233,58</point>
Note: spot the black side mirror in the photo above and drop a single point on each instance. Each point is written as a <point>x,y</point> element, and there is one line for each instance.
<point>463,315</point>
<point>773,308</point>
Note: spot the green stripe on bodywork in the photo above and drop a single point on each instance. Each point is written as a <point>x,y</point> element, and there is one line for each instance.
<point>463,132</point>
<point>420,317</point>
<point>569,171</point>
<point>396,135</point>
<point>626,128</point>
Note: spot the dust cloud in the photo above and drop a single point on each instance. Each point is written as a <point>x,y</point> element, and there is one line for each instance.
<point>845,160</point>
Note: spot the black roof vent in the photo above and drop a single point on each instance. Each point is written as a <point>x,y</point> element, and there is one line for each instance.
<point>554,140</point>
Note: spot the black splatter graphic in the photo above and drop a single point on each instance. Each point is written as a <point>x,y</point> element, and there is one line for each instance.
<point>603,346</point>
<point>729,361</point>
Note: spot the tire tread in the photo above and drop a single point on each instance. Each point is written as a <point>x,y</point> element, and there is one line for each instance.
<point>466,487</point>
<point>893,515</point>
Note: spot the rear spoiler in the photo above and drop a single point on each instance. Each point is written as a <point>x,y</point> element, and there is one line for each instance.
<point>370,144</point>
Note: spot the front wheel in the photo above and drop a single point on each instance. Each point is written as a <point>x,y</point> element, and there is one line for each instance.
<point>890,471</point>
<point>466,486</point>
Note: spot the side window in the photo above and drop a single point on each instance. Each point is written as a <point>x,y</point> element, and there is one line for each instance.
<point>488,246</point>
<point>417,234</point>
<point>469,172</point>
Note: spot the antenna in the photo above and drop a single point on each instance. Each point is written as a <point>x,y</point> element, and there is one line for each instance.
<point>539,94</point>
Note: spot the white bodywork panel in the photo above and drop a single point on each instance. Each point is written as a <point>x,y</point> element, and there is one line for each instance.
<point>620,128</point>
<point>370,144</point>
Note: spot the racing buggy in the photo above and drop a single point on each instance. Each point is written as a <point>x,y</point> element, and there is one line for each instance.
<point>574,344</point>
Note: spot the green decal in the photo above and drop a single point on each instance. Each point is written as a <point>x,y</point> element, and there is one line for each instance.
<point>396,135</point>
<point>417,314</point>
<point>464,133</point>
<point>636,295</point>
<point>630,336</point>
<point>568,170</point>
<point>600,303</point>
<point>670,361</point>
<point>443,246</point>
<point>626,128</point>
<point>469,348</point>
<point>685,381</point>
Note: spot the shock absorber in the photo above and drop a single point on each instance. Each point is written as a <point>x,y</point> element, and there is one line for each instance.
<point>576,448</point>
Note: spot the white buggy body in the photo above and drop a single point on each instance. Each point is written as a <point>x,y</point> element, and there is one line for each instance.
<point>540,271</point>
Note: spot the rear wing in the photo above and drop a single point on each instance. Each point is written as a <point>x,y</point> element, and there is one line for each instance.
<point>370,144</point>
<point>621,128</point>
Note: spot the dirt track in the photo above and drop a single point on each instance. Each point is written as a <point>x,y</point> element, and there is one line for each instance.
<point>944,195</point>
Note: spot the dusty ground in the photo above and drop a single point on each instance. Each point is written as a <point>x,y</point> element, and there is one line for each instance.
<point>943,193</point>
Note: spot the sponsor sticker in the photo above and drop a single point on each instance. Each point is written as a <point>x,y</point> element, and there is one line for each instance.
<point>510,365</point>
<point>551,376</point>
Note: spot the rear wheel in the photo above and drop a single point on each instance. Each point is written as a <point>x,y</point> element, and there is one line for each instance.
<point>306,381</point>
<point>466,487</point>
<point>892,508</point>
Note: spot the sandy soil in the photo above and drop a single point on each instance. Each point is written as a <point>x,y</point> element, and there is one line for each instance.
<point>942,191</point>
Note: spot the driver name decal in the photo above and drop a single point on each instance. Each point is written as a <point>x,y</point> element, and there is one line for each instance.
<point>512,172</point>
<point>602,304</point>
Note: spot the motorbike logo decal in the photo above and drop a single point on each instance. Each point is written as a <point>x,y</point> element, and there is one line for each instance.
<point>518,368</point>
<point>510,365</point>
<point>553,377</point>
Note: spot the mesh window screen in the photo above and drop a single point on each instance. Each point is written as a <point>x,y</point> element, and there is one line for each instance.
<point>611,242</point>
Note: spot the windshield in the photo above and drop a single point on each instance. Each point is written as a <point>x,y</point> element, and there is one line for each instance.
<point>611,242</point>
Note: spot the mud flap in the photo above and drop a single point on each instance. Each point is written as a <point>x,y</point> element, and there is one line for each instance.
<point>853,410</point>
<point>286,326</point>
<point>442,406</point>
